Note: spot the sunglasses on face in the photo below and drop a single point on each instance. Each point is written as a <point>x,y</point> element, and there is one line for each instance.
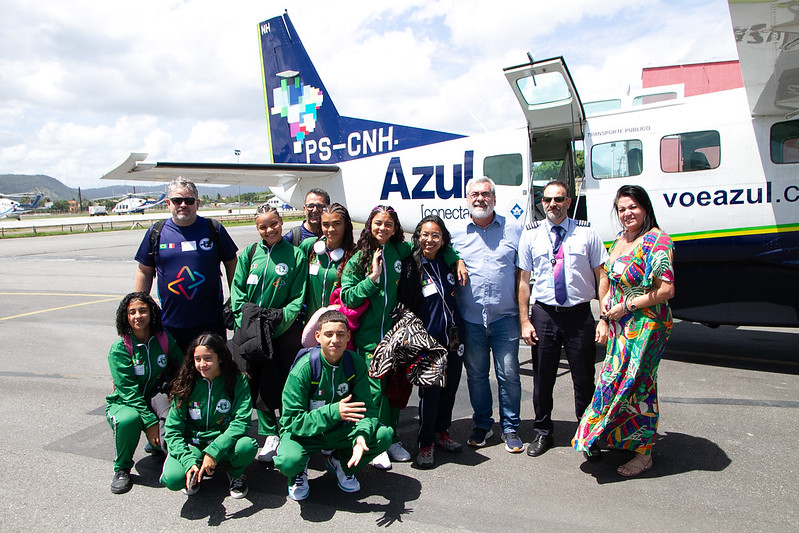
<point>311,207</point>
<point>177,200</point>
<point>556,199</point>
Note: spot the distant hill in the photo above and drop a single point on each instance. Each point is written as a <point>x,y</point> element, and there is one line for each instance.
<point>55,190</point>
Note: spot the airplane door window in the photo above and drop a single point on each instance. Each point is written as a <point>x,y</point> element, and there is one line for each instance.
<point>688,152</point>
<point>617,159</point>
<point>785,142</point>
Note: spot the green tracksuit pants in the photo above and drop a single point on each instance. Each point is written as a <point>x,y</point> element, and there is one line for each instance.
<point>127,427</point>
<point>174,473</point>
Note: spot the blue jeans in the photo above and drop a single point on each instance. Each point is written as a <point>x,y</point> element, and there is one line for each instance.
<point>502,338</point>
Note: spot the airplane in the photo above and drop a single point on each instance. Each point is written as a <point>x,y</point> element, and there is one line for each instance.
<point>12,208</point>
<point>136,204</point>
<point>716,145</point>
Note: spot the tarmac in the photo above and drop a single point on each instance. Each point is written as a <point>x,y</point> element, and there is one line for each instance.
<point>725,458</point>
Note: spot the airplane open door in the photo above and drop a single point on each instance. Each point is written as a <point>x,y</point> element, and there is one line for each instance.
<point>555,121</point>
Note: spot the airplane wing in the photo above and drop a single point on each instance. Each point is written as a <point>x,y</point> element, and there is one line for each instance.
<point>261,175</point>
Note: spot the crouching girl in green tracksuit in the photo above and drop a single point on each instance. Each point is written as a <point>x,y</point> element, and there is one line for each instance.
<point>141,361</point>
<point>209,420</point>
<point>329,408</point>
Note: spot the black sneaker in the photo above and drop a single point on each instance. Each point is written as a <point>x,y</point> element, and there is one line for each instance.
<point>238,487</point>
<point>479,436</point>
<point>121,483</point>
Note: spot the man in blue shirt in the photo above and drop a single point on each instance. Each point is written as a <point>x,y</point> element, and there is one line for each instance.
<point>490,313</point>
<point>566,258</point>
<point>185,259</point>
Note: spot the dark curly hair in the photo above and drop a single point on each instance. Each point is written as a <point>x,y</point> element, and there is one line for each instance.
<point>188,375</point>
<point>640,197</point>
<point>123,326</point>
<point>367,243</point>
<point>446,239</point>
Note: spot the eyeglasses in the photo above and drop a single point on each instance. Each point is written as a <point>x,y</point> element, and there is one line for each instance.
<point>318,207</point>
<point>556,199</point>
<point>430,236</point>
<point>484,194</point>
<point>177,200</point>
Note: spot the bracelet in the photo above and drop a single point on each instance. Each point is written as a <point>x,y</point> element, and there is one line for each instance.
<point>626,309</point>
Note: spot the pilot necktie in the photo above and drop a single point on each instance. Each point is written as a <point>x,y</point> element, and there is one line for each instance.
<point>560,275</point>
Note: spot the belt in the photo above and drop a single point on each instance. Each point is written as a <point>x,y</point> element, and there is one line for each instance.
<point>559,309</point>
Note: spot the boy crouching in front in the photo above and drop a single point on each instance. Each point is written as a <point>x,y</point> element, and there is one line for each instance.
<point>327,405</point>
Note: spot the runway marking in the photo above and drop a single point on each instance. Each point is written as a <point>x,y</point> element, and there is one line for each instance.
<point>62,307</point>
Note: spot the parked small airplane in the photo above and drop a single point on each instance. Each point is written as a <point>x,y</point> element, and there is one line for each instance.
<point>721,169</point>
<point>12,208</point>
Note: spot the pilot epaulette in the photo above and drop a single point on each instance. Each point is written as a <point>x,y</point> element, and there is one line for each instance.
<point>532,225</point>
<point>584,223</point>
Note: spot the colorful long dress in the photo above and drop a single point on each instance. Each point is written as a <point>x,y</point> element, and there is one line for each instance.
<point>624,410</point>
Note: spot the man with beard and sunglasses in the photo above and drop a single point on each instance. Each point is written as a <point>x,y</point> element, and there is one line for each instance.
<point>183,253</point>
<point>487,304</point>
<point>566,258</point>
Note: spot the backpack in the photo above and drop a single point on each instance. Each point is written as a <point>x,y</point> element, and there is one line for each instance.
<point>155,233</point>
<point>315,355</point>
<point>162,340</point>
<point>296,235</point>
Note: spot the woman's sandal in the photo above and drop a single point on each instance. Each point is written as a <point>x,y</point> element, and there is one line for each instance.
<point>635,466</point>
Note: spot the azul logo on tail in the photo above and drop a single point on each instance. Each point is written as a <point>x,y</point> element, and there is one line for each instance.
<point>304,124</point>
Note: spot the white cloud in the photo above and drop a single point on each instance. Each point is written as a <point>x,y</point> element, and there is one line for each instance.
<point>84,83</point>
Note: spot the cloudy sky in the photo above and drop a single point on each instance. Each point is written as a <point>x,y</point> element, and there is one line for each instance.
<point>83,83</point>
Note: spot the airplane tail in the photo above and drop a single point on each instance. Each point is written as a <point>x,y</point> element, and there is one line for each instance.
<point>303,123</point>
<point>34,204</point>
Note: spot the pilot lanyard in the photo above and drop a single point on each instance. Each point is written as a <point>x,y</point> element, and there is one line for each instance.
<point>552,259</point>
<point>266,267</point>
<point>435,277</point>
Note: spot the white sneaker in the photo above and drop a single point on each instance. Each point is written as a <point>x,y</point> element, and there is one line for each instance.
<point>299,490</point>
<point>382,462</point>
<point>267,453</point>
<point>191,492</point>
<point>398,453</point>
<point>345,482</point>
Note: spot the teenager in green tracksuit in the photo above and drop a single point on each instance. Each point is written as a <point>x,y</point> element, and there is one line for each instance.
<point>373,273</point>
<point>140,369</point>
<point>338,414</point>
<point>273,278</point>
<point>325,256</point>
<point>209,420</point>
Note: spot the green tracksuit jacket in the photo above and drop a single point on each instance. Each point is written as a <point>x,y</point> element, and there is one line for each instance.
<point>135,377</point>
<point>322,277</point>
<point>210,420</point>
<point>357,287</point>
<point>304,416</point>
<point>274,278</point>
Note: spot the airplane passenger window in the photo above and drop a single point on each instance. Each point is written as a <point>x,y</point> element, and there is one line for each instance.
<point>601,106</point>
<point>504,169</point>
<point>785,142</point>
<point>617,159</point>
<point>653,98</point>
<point>544,88</point>
<point>692,151</point>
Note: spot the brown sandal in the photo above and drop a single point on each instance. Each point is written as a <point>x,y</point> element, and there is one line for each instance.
<point>635,466</point>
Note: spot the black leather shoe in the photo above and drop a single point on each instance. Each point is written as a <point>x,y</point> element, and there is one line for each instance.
<point>593,454</point>
<point>540,444</point>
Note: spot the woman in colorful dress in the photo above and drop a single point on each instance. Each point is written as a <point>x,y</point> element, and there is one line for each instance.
<point>636,324</point>
<point>270,273</point>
